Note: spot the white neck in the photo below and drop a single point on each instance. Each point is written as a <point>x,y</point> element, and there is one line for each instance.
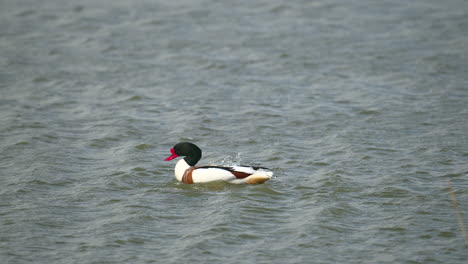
<point>180,168</point>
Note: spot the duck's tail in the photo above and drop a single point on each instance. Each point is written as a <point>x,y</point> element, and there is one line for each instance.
<point>260,176</point>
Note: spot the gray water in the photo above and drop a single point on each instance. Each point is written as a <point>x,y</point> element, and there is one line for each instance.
<point>359,107</point>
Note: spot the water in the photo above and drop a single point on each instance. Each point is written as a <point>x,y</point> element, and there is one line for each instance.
<point>359,107</point>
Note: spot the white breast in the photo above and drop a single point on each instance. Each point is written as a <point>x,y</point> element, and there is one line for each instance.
<point>180,168</point>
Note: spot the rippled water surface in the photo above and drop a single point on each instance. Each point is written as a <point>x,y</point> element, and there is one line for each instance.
<point>359,107</point>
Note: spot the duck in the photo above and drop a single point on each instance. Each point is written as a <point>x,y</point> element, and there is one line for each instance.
<point>187,172</point>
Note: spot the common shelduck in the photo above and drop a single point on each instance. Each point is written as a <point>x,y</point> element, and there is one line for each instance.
<point>187,172</point>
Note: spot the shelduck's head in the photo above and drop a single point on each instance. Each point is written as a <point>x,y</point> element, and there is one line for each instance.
<point>191,152</point>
